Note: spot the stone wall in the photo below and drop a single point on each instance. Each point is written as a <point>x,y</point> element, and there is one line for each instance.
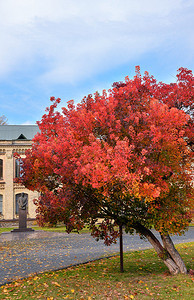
<point>9,189</point>
<point>15,223</point>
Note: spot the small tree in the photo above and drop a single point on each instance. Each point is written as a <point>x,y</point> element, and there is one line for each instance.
<point>3,120</point>
<point>122,157</point>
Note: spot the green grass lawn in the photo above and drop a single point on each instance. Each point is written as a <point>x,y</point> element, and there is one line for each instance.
<point>58,228</point>
<point>145,277</point>
<point>5,229</point>
<point>52,229</point>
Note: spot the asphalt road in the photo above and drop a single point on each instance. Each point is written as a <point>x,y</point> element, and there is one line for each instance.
<point>24,254</point>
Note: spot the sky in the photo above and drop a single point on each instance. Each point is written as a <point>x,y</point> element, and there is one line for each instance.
<point>72,48</point>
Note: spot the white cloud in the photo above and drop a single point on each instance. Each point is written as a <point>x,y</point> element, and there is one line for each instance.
<point>28,123</point>
<point>73,40</point>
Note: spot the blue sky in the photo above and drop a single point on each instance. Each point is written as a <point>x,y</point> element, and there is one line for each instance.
<point>71,48</point>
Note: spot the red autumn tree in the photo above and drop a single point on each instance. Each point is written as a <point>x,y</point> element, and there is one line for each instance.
<point>123,158</point>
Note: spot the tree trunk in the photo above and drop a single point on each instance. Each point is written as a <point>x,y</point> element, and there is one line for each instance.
<point>161,251</point>
<point>169,246</point>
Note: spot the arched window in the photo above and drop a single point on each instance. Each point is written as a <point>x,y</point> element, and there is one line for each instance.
<point>18,168</point>
<point>1,168</point>
<point>17,196</point>
<point>1,204</point>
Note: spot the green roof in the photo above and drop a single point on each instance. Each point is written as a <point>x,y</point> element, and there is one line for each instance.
<point>18,132</point>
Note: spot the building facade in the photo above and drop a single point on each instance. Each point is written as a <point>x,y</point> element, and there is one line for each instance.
<point>14,138</point>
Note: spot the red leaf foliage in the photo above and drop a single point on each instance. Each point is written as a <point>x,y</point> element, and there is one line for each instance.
<point>123,156</point>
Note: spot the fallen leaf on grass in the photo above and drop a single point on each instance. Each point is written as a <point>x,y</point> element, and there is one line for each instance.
<point>56,283</point>
<point>46,285</point>
<point>35,278</point>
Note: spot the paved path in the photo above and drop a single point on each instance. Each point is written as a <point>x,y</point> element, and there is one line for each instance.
<point>23,254</point>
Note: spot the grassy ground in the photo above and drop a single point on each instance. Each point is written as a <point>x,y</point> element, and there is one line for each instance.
<point>52,229</point>
<point>145,277</point>
<point>5,229</point>
<point>58,228</point>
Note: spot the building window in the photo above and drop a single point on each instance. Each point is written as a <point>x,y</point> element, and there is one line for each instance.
<point>1,169</point>
<point>1,204</point>
<point>17,196</point>
<point>18,168</point>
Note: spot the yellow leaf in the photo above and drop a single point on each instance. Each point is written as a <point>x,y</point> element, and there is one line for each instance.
<point>131,296</point>
<point>17,284</point>
<point>35,278</point>
<point>56,283</point>
<point>73,291</point>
